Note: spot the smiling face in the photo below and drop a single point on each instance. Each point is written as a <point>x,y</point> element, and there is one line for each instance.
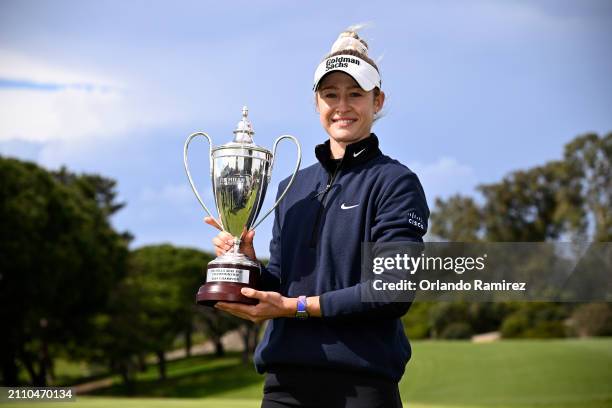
<point>346,111</point>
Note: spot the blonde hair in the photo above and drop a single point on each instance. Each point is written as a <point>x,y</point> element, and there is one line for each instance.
<point>349,43</point>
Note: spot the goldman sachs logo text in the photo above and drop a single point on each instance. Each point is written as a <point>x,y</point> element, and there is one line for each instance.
<point>340,62</point>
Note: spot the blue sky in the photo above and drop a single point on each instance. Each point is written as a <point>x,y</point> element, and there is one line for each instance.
<point>475,89</point>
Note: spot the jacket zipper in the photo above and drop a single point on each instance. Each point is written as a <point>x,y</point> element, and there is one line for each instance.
<point>323,194</point>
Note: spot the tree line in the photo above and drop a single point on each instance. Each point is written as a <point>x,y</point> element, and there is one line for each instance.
<point>71,288</point>
<point>565,200</point>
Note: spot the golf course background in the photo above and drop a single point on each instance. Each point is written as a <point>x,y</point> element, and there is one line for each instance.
<point>80,303</point>
<point>126,321</point>
<point>459,374</point>
<point>501,108</point>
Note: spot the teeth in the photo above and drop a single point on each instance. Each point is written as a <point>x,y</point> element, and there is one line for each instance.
<point>345,121</point>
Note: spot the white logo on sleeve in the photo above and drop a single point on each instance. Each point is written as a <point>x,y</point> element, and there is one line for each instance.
<point>359,152</point>
<point>416,220</point>
<point>348,207</point>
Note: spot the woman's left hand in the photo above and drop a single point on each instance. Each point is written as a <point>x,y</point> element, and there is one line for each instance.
<point>271,305</point>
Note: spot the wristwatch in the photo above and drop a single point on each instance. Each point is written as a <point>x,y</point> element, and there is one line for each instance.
<point>302,312</point>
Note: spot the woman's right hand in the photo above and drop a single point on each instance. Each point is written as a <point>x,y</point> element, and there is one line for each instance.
<point>224,241</point>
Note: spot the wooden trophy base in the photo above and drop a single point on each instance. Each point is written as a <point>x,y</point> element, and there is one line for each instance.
<point>214,290</point>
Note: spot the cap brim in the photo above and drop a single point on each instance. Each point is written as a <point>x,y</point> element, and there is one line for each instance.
<point>363,82</point>
<point>363,73</point>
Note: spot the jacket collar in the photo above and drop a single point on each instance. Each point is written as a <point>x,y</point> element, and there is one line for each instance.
<point>355,153</point>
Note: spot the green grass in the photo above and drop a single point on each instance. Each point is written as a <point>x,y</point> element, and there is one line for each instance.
<point>441,374</point>
<point>521,373</point>
<point>196,377</point>
<point>74,372</point>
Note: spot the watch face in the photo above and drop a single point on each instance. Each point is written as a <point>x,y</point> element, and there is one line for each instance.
<point>301,314</point>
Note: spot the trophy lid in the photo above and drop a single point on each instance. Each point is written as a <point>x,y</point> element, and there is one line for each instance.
<point>243,139</point>
<point>244,130</point>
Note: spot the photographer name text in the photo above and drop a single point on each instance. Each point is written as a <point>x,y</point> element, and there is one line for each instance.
<point>437,285</point>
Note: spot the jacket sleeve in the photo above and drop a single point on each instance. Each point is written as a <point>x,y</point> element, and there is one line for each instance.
<point>401,216</point>
<point>270,274</point>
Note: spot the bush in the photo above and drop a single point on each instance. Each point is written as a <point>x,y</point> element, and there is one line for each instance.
<point>444,314</point>
<point>514,326</point>
<point>545,330</point>
<point>536,320</point>
<point>592,319</point>
<point>456,331</point>
<point>416,321</point>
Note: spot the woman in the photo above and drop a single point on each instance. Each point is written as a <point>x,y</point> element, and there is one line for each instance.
<point>324,347</point>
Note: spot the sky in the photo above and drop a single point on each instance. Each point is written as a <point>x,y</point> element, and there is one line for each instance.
<point>475,90</point>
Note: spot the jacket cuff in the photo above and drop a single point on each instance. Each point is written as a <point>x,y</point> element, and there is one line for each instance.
<point>341,302</point>
<point>347,304</point>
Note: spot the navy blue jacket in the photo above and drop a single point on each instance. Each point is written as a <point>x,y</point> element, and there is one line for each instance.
<point>332,207</point>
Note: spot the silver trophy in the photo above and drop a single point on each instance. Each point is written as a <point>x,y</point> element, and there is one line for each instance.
<point>240,172</point>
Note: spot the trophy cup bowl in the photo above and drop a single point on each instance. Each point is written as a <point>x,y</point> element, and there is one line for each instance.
<point>240,172</point>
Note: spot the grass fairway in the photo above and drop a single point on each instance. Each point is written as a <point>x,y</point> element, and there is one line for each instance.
<point>520,373</point>
<point>441,374</point>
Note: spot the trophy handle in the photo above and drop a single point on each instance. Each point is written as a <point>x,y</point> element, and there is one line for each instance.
<point>297,167</point>
<point>189,139</point>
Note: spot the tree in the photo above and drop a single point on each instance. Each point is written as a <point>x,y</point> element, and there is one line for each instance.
<point>559,200</point>
<point>250,336</point>
<point>216,323</point>
<point>94,187</point>
<point>590,158</point>
<point>457,219</point>
<point>59,259</point>
<point>149,308</point>
<point>159,294</point>
<point>535,205</point>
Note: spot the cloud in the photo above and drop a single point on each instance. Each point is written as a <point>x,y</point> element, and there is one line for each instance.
<point>44,103</point>
<point>21,67</point>
<point>48,86</point>
<point>67,114</point>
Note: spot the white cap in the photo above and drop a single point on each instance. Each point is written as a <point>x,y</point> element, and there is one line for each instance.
<point>362,72</point>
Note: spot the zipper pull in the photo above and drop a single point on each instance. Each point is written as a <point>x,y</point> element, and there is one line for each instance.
<point>331,180</point>
<point>324,191</point>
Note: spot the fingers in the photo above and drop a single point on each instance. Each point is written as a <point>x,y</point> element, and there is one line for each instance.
<point>248,237</point>
<point>220,247</point>
<point>234,307</point>
<point>223,242</point>
<point>246,244</point>
<point>270,306</point>
<point>213,222</point>
<point>255,294</point>
<point>239,310</point>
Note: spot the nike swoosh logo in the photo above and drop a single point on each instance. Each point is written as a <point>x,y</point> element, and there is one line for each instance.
<point>348,207</point>
<point>359,152</point>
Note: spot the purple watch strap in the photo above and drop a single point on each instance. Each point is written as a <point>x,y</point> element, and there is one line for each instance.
<point>301,304</point>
